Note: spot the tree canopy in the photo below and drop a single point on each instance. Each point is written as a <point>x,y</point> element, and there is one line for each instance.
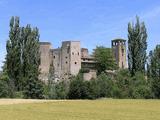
<point>104,58</point>
<point>137,46</point>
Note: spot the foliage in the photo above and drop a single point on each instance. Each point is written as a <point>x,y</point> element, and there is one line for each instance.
<point>51,90</point>
<point>77,89</point>
<point>121,86</point>
<point>140,86</point>
<point>34,89</point>
<point>93,89</point>
<point>31,61</point>
<point>13,54</point>
<point>4,85</point>
<point>137,46</point>
<point>154,71</point>
<point>105,59</point>
<point>4,89</point>
<point>23,62</point>
<point>126,86</point>
<point>105,84</point>
<point>61,90</point>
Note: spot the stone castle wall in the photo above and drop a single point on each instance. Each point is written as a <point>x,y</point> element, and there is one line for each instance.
<point>70,58</point>
<point>45,60</point>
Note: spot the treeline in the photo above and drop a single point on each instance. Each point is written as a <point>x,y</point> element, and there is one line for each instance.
<point>19,78</point>
<point>119,85</point>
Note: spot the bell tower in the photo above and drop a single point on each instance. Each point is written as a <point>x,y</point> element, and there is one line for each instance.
<point>119,51</point>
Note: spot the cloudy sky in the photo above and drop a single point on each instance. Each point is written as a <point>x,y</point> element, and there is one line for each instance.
<point>93,22</point>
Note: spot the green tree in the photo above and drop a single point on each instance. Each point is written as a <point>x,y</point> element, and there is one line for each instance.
<point>140,87</point>
<point>122,84</point>
<point>4,88</point>
<point>104,84</point>
<point>13,54</point>
<point>31,61</point>
<point>154,70</point>
<point>105,59</point>
<point>78,88</point>
<point>126,86</point>
<point>51,82</point>
<point>23,59</point>
<point>137,46</point>
<point>61,90</point>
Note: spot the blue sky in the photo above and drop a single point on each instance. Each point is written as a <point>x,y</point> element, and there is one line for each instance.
<point>93,22</point>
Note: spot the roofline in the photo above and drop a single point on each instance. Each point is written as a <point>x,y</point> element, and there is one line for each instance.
<point>71,41</point>
<point>84,48</point>
<point>44,43</point>
<point>118,39</point>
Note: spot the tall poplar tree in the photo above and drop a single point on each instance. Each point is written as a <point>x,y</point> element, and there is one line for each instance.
<point>23,60</point>
<point>13,54</point>
<point>137,46</point>
<point>31,61</point>
<point>154,71</point>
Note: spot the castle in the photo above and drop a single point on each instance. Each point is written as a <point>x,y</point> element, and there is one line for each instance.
<point>70,58</point>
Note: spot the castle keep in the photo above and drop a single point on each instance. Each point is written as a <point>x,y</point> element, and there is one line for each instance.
<point>70,58</point>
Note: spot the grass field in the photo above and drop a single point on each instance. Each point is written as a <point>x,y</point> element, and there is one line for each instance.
<point>80,110</point>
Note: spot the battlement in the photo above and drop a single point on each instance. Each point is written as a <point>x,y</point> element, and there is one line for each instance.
<point>118,41</point>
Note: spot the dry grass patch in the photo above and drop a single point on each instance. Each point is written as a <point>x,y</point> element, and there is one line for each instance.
<point>82,110</point>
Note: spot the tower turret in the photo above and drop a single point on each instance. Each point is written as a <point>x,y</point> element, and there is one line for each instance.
<point>119,51</point>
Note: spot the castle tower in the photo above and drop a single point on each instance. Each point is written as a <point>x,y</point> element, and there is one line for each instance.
<point>84,52</point>
<point>45,60</point>
<point>71,57</point>
<point>119,51</point>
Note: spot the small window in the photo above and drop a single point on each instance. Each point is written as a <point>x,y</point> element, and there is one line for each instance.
<point>66,62</point>
<point>58,65</point>
<point>122,52</point>
<point>75,63</point>
<point>68,49</point>
<point>66,57</point>
<point>122,65</point>
<point>72,53</point>
<point>54,57</point>
<point>78,53</point>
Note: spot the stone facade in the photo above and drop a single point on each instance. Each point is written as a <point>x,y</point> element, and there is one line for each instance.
<point>67,59</point>
<point>90,75</point>
<point>119,51</point>
<point>70,58</point>
<point>45,60</point>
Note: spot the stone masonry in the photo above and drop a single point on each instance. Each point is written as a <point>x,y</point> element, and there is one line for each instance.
<point>70,58</point>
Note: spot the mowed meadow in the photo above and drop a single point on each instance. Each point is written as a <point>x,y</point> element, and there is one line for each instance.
<point>110,109</point>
